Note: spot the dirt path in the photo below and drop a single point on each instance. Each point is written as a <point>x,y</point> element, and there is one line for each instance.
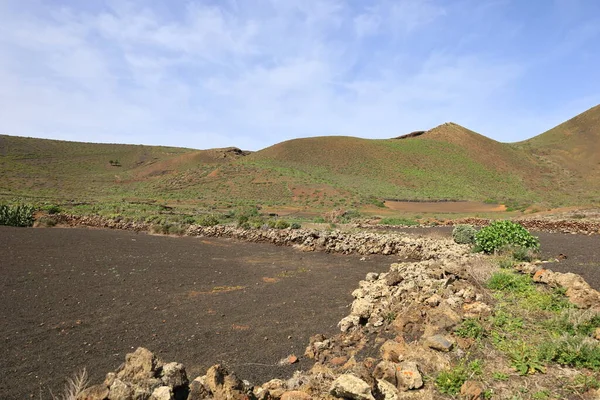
<point>71,298</point>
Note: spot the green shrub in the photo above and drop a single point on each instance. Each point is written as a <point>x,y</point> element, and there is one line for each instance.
<point>295,225</point>
<point>281,224</point>
<point>450,381</point>
<point>19,215</point>
<point>256,222</point>
<point>574,351</point>
<point>319,220</point>
<point>52,209</point>
<point>398,221</point>
<point>464,234</point>
<point>510,282</point>
<point>500,234</point>
<point>470,328</point>
<point>518,253</point>
<point>208,220</point>
<point>243,221</point>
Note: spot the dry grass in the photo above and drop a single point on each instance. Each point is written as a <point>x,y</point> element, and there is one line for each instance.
<point>73,387</point>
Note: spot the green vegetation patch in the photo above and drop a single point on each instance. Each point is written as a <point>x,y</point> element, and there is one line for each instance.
<point>16,215</point>
<point>500,234</point>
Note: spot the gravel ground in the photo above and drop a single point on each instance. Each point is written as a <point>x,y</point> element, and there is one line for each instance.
<point>85,297</point>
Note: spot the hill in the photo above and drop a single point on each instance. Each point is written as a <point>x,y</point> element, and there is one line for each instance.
<point>64,170</point>
<point>448,162</point>
<point>572,149</point>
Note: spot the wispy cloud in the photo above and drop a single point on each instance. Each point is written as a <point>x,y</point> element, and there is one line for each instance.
<point>252,73</point>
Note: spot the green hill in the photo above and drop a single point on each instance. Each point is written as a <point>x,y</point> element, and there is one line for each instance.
<point>572,150</point>
<point>449,162</point>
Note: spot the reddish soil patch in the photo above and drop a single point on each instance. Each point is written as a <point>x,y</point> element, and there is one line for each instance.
<point>73,298</point>
<point>444,206</point>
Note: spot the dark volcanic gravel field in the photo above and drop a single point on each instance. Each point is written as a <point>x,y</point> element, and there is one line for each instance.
<point>71,298</point>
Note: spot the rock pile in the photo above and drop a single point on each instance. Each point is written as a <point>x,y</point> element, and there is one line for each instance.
<point>400,328</point>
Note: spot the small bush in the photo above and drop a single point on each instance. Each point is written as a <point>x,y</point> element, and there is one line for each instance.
<point>576,351</point>
<point>295,225</point>
<point>208,220</point>
<point>510,282</point>
<point>500,234</point>
<point>19,215</point>
<point>242,221</point>
<point>256,222</point>
<point>464,234</point>
<point>282,224</point>
<point>470,328</point>
<point>398,221</point>
<point>451,380</point>
<point>53,209</point>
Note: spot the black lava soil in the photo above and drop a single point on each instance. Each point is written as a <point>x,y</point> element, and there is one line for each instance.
<point>74,298</point>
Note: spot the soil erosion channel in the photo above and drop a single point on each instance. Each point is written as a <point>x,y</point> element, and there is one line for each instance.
<point>73,298</point>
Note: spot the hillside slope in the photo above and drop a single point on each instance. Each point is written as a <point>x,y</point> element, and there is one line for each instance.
<point>572,149</point>
<point>63,169</point>
<point>447,162</point>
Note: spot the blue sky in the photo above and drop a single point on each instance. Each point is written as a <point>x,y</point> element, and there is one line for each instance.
<point>252,73</point>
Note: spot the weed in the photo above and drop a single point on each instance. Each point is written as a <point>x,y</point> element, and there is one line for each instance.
<point>282,224</point>
<point>525,359</point>
<point>506,262</point>
<point>390,317</point>
<point>500,376</point>
<point>470,328</point>
<point>510,282</point>
<point>542,394</point>
<point>575,351</point>
<point>451,380</point>
<point>52,209</point>
<point>584,382</point>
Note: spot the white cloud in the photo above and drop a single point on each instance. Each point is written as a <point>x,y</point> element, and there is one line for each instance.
<point>245,73</point>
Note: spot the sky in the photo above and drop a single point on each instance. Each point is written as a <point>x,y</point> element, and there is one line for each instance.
<point>252,73</point>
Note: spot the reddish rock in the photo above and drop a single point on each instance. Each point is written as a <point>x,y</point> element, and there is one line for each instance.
<point>471,390</point>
